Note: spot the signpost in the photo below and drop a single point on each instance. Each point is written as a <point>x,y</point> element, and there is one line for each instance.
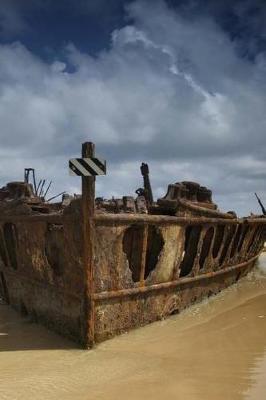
<point>88,167</point>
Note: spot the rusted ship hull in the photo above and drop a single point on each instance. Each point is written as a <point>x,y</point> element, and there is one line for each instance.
<point>146,267</point>
<point>93,268</point>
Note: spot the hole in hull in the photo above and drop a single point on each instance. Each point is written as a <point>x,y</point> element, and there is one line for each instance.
<point>10,234</point>
<point>3,253</point>
<point>192,236</point>
<point>241,242</point>
<point>132,247</point>
<point>253,237</point>
<point>154,247</point>
<point>229,237</point>
<point>219,235</point>
<point>206,245</point>
<point>4,288</point>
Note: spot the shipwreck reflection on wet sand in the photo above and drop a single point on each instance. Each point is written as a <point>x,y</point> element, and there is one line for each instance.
<point>215,350</point>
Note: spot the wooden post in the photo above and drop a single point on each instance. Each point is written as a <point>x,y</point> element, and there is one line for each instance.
<point>88,195</point>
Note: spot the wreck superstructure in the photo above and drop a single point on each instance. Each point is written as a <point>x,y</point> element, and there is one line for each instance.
<point>151,260</point>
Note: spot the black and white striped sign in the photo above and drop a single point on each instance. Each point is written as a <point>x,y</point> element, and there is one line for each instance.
<point>87,166</point>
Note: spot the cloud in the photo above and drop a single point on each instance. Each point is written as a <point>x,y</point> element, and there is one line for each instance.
<point>171,90</point>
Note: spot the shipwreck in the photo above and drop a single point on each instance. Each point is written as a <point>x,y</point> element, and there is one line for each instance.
<point>90,268</point>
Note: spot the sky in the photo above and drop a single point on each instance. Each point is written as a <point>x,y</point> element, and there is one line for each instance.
<point>180,85</point>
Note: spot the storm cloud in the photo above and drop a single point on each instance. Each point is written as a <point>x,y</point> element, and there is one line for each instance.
<point>169,90</point>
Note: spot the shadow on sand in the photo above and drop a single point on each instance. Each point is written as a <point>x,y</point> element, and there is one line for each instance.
<point>20,333</point>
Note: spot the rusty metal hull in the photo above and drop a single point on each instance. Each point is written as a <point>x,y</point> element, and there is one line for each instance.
<point>145,267</point>
<point>134,308</point>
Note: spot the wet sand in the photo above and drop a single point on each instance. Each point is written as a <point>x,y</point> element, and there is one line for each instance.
<point>214,350</point>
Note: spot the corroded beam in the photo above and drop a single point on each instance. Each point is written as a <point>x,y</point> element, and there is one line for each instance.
<point>100,219</point>
<point>167,285</point>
